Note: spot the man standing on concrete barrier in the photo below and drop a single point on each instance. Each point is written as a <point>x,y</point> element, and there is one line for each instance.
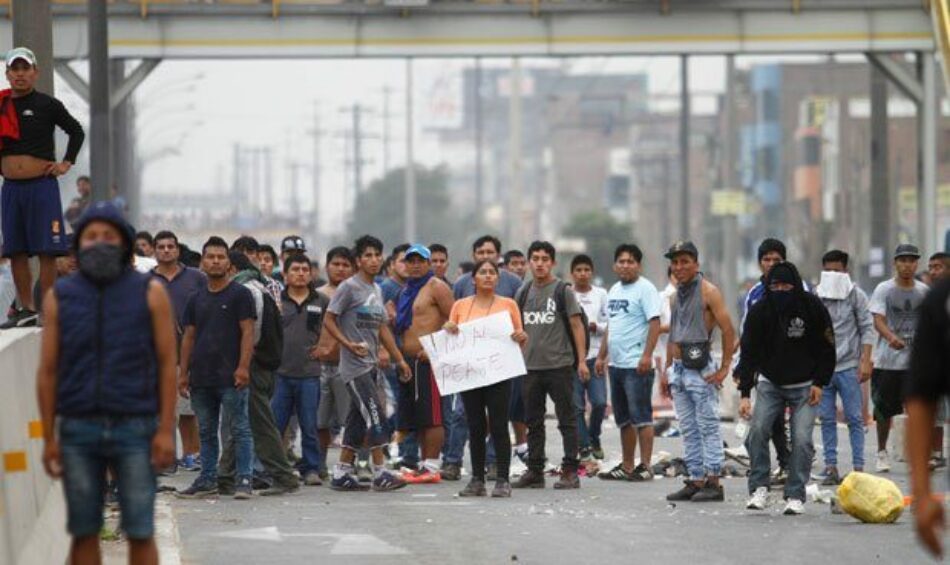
<point>121,415</point>
<point>31,208</point>
<point>691,378</point>
<point>895,305</point>
<point>789,340</point>
<point>854,336</point>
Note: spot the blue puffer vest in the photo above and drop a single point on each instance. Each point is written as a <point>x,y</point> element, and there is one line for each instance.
<point>107,363</point>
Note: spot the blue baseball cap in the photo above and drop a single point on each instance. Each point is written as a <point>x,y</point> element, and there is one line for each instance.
<point>420,250</point>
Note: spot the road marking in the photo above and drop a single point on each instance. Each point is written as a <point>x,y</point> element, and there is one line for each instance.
<point>343,544</point>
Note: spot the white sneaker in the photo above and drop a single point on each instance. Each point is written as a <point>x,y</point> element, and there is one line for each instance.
<point>794,507</point>
<point>883,462</point>
<point>759,499</point>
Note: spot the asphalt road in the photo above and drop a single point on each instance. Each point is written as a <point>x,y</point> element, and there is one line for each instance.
<point>602,522</point>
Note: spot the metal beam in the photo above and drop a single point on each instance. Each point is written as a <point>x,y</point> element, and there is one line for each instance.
<point>899,75</point>
<point>684,149</point>
<point>133,80</point>
<point>882,220</point>
<point>72,78</point>
<point>437,33</point>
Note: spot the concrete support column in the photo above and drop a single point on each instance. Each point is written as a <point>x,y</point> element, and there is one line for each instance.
<point>100,138</point>
<point>33,28</point>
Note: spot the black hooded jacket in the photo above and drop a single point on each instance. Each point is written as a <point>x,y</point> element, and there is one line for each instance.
<point>790,345</point>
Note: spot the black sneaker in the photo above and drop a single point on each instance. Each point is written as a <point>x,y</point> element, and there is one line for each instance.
<point>387,481</point>
<point>243,490</point>
<point>685,493</point>
<point>451,472</point>
<point>530,479</point>
<point>598,452</point>
<point>278,490</point>
<point>502,489</point>
<point>198,490</point>
<point>347,483</point>
<point>474,487</point>
<point>641,474</point>
<point>831,477</point>
<point>710,493</point>
<point>618,473</point>
<point>21,318</point>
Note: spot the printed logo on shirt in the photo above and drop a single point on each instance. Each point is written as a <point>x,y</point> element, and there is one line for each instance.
<point>544,318</point>
<point>27,112</point>
<point>615,306</point>
<point>796,328</point>
<point>54,227</point>
<point>315,309</point>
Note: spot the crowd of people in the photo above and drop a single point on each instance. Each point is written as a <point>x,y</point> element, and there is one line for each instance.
<point>241,349</point>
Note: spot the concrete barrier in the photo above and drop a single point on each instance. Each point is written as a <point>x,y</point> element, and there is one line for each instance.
<point>32,509</point>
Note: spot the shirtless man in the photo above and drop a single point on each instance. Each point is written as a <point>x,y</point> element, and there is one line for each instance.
<point>334,398</point>
<point>422,307</point>
<point>31,209</point>
<point>691,378</point>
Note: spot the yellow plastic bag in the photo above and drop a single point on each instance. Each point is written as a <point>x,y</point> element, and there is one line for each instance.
<point>871,499</point>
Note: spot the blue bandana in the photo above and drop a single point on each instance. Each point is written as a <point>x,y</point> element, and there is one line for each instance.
<point>404,303</point>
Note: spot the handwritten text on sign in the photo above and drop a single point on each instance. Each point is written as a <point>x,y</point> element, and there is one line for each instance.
<point>482,353</point>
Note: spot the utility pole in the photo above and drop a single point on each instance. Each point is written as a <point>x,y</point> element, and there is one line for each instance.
<point>515,216</point>
<point>881,217</point>
<point>387,92</point>
<point>730,235</point>
<point>100,138</point>
<point>410,170</point>
<point>33,28</point>
<point>316,133</point>
<point>479,130</point>
<point>684,147</point>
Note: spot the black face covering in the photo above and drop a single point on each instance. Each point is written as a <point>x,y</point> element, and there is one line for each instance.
<point>102,263</point>
<point>782,298</point>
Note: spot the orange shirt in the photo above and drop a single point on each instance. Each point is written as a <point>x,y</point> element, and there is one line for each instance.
<point>465,310</point>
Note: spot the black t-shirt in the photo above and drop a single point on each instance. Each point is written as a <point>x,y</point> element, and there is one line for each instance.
<point>217,317</point>
<point>930,359</point>
<point>38,115</point>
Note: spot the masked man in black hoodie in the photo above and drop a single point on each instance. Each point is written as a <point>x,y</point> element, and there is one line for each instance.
<point>789,340</point>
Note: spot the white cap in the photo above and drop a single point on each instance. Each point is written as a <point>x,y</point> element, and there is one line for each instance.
<point>20,53</point>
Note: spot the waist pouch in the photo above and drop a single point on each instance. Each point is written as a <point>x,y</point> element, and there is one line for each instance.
<point>695,355</point>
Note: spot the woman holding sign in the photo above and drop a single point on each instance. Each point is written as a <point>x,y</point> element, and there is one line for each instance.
<point>488,405</point>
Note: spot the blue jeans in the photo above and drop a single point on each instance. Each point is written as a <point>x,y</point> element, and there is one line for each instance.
<point>846,384</point>
<point>208,404</point>
<point>300,396</point>
<point>697,408</point>
<point>456,429</point>
<point>770,401</point>
<point>91,445</point>
<point>594,390</point>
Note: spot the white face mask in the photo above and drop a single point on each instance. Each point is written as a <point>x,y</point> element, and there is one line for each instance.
<point>835,286</point>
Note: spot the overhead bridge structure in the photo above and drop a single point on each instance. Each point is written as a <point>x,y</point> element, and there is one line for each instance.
<point>401,28</point>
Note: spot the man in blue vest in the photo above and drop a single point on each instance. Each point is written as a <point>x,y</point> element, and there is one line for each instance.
<point>107,374</point>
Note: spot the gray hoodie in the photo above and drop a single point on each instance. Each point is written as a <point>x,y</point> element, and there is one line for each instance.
<point>854,327</point>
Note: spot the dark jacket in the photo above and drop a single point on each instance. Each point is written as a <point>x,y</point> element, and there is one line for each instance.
<point>790,345</point>
<point>302,324</point>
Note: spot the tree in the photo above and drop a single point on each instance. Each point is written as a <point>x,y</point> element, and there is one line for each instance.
<point>380,211</point>
<point>601,233</point>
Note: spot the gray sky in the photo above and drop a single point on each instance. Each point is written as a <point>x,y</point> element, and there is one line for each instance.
<point>201,108</point>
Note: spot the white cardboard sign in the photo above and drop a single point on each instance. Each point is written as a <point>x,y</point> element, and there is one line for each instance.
<point>482,353</point>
